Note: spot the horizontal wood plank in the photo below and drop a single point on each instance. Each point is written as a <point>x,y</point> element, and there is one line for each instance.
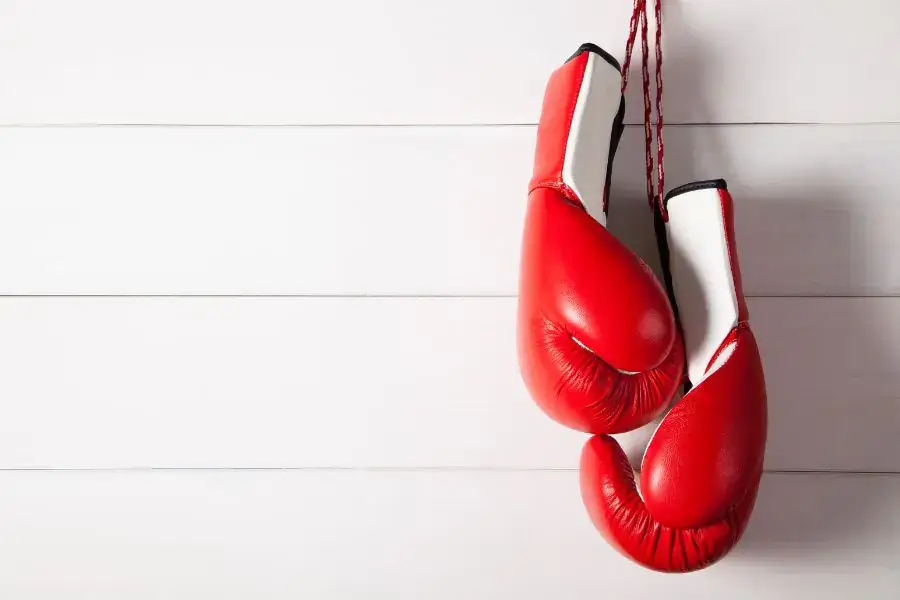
<point>384,383</point>
<point>441,535</point>
<point>410,211</point>
<point>405,61</point>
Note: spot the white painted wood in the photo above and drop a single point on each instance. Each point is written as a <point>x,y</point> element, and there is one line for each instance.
<point>833,375</point>
<point>409,535</point>
<point>385,447</point>
<point>203,382</point>
<point>404,61</point>
<point>260,211</point>
<point>410,382</point>
<point>815,207</point>
<point>411,211</point>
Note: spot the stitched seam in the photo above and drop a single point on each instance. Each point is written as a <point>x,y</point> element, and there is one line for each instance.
<point>560,187</point>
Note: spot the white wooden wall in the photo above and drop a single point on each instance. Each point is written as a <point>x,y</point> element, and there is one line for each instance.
<point>258,263</point>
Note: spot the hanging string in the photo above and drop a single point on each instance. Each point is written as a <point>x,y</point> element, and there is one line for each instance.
<point>639,17</point>
<point>660,145</point>
<point>629,44</point>
<point>648,106</point>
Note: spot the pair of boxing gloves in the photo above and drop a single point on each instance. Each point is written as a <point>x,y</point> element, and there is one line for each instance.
<point>604,347</point>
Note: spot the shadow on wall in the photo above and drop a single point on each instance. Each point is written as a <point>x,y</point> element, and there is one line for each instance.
<point>831,384</point>
<point>830,362</point>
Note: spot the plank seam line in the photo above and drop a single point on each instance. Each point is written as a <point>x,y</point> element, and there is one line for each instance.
<point>447,469</point>
<point>635,125</point>
<point>389,296</point>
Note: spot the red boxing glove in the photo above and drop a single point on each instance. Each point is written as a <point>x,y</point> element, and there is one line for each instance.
<point>598,344</point>
<point>702,468</point>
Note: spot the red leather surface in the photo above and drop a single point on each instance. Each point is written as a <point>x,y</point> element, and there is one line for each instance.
<point>578,282</point>
<point>701,471</point>
<point>560,97</point>
<point>709,447</point>
<point>613,503</point>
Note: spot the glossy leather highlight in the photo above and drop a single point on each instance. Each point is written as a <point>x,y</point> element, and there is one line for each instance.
<point>701,470</point>
<point>598,346</point>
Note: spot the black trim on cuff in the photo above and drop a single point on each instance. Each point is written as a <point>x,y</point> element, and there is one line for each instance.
<point>589,47</point>
<point>618,128</point>
<point>662,244</point>
<point>709,184</point>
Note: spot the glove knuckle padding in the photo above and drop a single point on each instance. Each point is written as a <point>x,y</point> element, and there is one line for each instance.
<point>588,310</point>
<point>616,509</point>
<point>597,339</point>
<point>702,467</point>
<point>708,449</point>
<point>592,285</point>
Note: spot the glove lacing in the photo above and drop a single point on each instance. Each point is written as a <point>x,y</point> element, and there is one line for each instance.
<point>639,15</point>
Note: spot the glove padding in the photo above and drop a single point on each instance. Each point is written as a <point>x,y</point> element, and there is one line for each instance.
<point>702,468</point>
<point>598,346</point>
